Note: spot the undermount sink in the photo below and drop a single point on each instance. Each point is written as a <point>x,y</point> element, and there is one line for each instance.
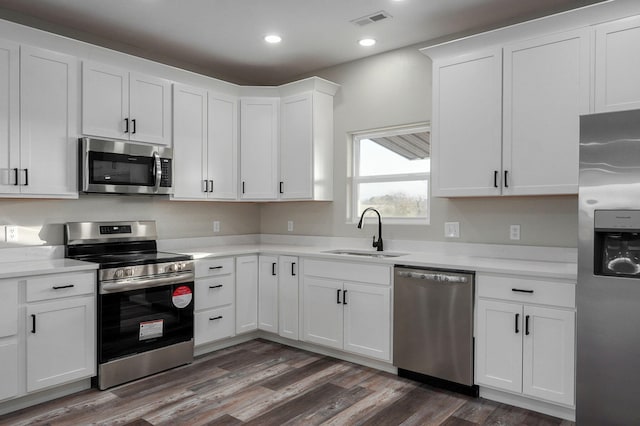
<point>367,253</point>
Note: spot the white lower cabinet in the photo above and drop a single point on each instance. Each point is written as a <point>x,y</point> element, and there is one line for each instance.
<point>288,292</point>
<point>214,316</point>
<point>9,339</point>
<point>342,313</point>
<point>246,293</point>
<point>268,293</point>
<point>8,369</point>
<point>523,347</point>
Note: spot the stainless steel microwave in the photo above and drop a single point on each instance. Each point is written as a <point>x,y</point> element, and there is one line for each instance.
<point>118,167</point>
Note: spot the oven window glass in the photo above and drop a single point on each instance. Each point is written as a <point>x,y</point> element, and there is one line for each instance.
<point>141,320</point>
<point>617,253</point>
<point>121,169</point>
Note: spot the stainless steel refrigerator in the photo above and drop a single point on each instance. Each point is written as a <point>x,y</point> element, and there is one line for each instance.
<point>608,288</point>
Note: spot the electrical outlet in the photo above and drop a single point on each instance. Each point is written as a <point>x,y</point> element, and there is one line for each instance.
<point>216,226</point>
<point>452,229</point>
<point>290,226</point>
<point>11,234</point>
<point>514,232</point>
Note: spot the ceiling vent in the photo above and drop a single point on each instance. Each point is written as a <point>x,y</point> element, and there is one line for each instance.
<point>370,19</point>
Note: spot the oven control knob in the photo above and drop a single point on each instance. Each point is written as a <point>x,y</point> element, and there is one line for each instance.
<point>119,273</point>
<point>172,268</point>
<point>128,272</point>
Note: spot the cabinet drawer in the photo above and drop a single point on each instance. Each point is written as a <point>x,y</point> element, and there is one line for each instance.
<point>55,286</point>
<point>359,272</point>
<point>527,290</point>
<point>212,292</point>
<point>210,267</point>
<point>214,324</point>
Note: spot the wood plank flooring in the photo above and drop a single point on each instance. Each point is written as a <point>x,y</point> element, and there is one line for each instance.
<point>266,383</point>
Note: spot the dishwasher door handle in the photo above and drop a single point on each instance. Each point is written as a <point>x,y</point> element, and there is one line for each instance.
<point>434,276</point>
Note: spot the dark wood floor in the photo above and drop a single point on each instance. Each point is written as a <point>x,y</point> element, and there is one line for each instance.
<point>265,383</point>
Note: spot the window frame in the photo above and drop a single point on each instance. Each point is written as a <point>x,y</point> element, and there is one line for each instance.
<point>355,180</point>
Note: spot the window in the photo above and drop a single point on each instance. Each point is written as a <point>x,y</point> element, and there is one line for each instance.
<point>391,174</point>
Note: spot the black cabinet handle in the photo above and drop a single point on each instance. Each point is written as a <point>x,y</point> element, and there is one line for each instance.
<point>33,323</point>
<point>273,268</point>
<point>16,175</point>
<point>126,125</point>
<point>243,187</point>
<point>210,186</point>
<point>215,267</point>
<point>338,300</point>
<point>506,182</point>
<point>216,286</point>
<point>344,297</point>
<point>58,287</point>
<point>134,126</point>
<point>495,178</point>
<point>517,318</point>
<point>526,325</point>
<point>293,272</point>
<point>519,290</point>
<point>281,191</point>
<point>206,187</point>
<point>215,318</point>
<point>26,177</point>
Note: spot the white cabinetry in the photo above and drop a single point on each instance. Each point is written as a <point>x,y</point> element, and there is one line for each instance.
<point>120,104</point>
<point>348,306</point>
<point>205,144</point>
<point>38,119</point>
<point>246,293</point>
<point>288,292</point>
<point>214,316</point>
<point>9,339</point>
<point>259,148</point>
<point>523,347</point>
<point>268,293</point>
<point>509,126</point>
<point>617,86</point>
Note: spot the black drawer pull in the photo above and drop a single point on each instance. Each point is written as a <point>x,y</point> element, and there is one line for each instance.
<point>293,272</point>
<point>519,290</point>
<point>33,323</point>
<point>273,268</point>
<point>338,300</point>
<point>216,286</point>
<point>526,325</point>
<point>215,318</point>
<point>506,175</point>
<point>126,125</point>
<point>517,318</point>
<point>215,267</point>
<point>58,287</point>
<point>495,178</point>
<point>134,125</point>
<point>344,297</point>
<point>17,177</point>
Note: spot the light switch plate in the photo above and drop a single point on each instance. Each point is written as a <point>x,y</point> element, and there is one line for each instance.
<point>11,234</point>
<point>216,226</point>
<point>514,232</point>
<point>290,226</point>
<point>452,229</point>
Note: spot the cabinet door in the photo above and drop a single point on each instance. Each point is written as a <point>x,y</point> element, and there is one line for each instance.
<point>9,308</point>
<point>467,120</point>
<point>222,153</point>
<point>9,116</point>
<point>617,85</point>
<point>259,148</point>
<point>190,142</point>
<point>268,294</point>
<point>246,293</point>
<point>8,370</point>
<point>549,354</point>
<point>105,100</point>
<point>48,122</point>
<point>213,324</point>
<point>60,342</point>
<point>499,345</point>
<point>296,142</point>
<point>546,89</point>
<point>149,109</point>
<point>367,320</point>
<point>288,317</point>
<point>323,312</point>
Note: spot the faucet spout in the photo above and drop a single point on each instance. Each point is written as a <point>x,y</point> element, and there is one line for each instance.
<point>377,244</point>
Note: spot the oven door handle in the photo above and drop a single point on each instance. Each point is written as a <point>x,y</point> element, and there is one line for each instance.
<point>137,284</point>
<point>157,170</point>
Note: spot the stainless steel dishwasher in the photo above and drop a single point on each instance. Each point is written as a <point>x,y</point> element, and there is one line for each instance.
<point>433,327</point>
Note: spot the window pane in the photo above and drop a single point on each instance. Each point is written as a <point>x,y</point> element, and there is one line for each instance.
<point>378,160</point>
<point>395,199</point>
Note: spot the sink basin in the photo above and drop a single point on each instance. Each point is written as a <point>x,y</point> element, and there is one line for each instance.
<point>367,253</point>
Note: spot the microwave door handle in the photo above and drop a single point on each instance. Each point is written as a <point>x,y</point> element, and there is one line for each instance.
<point>157,169</point>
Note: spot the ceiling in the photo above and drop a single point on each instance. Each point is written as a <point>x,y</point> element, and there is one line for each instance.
<point>224,38</point>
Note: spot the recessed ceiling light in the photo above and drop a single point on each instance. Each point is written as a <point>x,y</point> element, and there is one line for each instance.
<point>272,38</point>
<point>367,42</point>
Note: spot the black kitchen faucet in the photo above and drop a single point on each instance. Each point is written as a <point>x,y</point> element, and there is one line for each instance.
<point>377,244</point>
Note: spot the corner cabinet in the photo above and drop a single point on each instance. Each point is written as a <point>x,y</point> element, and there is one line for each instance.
<point>246,293</point>
<point>525,339</point>
<point>268,293</point>
<point>126,105</point>
<point>347,306</point>
<point>506,120</point>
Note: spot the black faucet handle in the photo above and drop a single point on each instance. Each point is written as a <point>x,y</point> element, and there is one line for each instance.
<point>374,242</point>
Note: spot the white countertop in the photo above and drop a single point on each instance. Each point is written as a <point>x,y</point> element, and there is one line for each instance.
<point>24,268</point>
<point>558,270</point>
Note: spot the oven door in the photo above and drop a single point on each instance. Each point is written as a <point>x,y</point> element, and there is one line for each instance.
<point>136,321</point>
<point>125,167</point>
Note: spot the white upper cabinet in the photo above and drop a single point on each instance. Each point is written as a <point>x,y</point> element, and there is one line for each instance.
<point>546,89</point>
<point>222,147</point>
<point>9,117</point>
<point>259,148</point>
<point>506,121</point>
<point>617,82</point>
<point>467,109</point>
<point>123,105</point>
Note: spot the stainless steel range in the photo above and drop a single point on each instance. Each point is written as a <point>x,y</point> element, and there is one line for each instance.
<point>145,299</point>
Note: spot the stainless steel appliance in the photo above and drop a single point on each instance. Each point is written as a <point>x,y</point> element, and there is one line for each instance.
<point>608,288</point>
<point>117,167</point>
<point>145,299</point>
<point>433,327</point>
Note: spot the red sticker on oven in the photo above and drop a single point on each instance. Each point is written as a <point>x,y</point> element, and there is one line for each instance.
<point>182,297</point>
